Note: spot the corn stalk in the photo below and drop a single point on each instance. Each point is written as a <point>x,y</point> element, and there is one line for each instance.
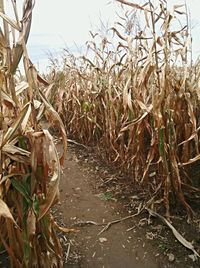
<point>29,162</point>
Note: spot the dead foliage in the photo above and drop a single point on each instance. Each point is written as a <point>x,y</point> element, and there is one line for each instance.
<point>135,94</point>
<point>29,162</point>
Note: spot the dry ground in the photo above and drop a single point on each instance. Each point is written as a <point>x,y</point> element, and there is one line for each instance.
<point>92,192</point>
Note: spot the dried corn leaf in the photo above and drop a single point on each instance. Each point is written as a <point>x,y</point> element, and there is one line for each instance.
<point>10,21</point>
<point>11,149</point>
<point>194,134</point>
<point>54,180</point>
<point>21,87</point>
<point>55,118</point>
<point>31,224</point>
<point>22,119</point>
<point>190,161</point>
<point>7,98</point>
<point>178,236</point>
<point>63,229</point>
<point>132,5</point>
<point>5,211</point>
<point>18,49</point>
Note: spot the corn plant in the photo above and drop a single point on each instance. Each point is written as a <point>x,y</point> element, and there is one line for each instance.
<point>29,162</point>
<point>136,97</point>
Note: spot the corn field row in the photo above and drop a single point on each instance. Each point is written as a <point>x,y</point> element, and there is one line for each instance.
<point>135,94</point>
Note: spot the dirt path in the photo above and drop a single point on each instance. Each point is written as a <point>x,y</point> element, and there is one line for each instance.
<point>91,191</point>
<point>115,248</point>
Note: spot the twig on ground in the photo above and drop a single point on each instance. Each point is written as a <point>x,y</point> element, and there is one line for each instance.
<point>108,180</point>
<point>84,223</point>
<point>130,229</point>
<point>140,209</point>
<point>120,220</point>
<point>68,252</point>
<point>77,143</point>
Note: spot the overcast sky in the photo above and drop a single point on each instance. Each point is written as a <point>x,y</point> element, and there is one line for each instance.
<point>61,23</point>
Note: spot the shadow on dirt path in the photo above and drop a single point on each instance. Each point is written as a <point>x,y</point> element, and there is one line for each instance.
<point>114,248</point>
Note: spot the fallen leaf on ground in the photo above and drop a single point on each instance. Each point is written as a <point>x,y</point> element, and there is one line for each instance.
<point>103,239</point>
<point>171,257</point>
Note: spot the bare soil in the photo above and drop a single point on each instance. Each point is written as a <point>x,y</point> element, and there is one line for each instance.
<point>91,192</point>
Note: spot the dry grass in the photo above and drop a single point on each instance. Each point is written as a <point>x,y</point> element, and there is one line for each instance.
<point>136,97</point>
<point>29,162</point>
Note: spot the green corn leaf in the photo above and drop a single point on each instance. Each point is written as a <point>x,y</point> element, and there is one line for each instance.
<point>22,188</point>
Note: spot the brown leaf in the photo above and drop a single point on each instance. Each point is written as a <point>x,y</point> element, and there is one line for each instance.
<point>31,224</point>
<point>5,211</point>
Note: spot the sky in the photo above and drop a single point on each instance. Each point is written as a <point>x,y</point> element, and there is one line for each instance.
<point>64,23</point>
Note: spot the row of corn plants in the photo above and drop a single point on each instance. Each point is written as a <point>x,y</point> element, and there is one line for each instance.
<point>134,93</point>
<point>29,162</point>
